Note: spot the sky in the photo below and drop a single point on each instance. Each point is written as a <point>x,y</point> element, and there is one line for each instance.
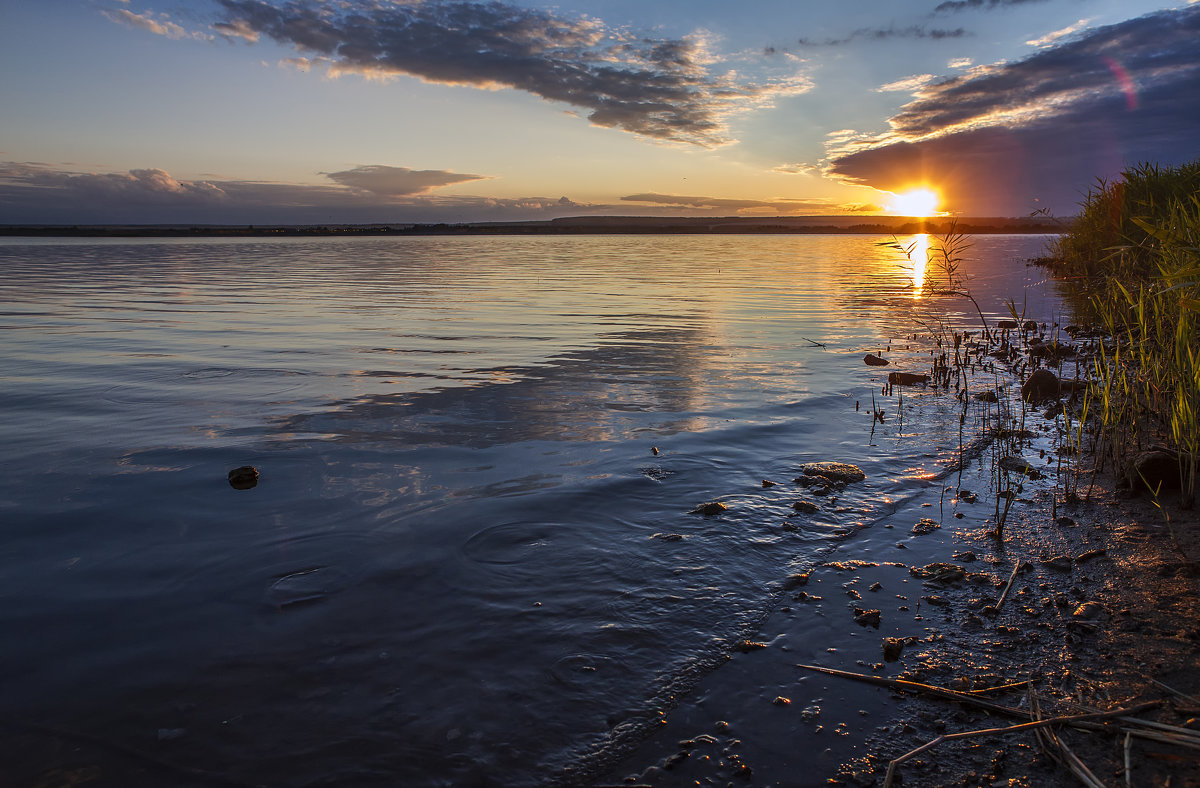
<point>368,111</point>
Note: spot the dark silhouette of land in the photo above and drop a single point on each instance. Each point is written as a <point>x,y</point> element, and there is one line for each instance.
<point>576,225</point>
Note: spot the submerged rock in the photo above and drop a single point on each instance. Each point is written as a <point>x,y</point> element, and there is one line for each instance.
<point>1019,465</point>
<point>906,378</point>
<point>710,509</point>
<point>925,526</point>
<point>834,471</point>
<point>243,478</point>
<point>805,507</point>
<point>868,618</point>
<point>985,396</point>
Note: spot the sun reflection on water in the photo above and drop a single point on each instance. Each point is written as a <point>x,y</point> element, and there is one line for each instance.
<point>919,257</point>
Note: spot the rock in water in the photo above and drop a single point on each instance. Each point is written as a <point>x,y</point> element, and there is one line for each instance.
<point>868,618</point>
<point>834,471</point>
<point>872,360</point>
<point>805,507</point>
<point>906,378</point>
<point>711,508</point>
<point>1042,385</point>
<point>892,648</point>
<point>243,478</point>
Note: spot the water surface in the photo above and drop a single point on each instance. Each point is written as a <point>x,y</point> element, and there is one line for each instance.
<point>464,563</point>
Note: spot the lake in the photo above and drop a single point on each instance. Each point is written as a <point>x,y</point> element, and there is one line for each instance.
<point>471,557</point>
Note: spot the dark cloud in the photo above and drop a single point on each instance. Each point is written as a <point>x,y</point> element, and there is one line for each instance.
<point>951,6</point>
<point>730,204</point>
<point>884,34</point>
<point>42,194</point>
<point>655,87</point>
<point>398,181</point>
<point>1042,129</point>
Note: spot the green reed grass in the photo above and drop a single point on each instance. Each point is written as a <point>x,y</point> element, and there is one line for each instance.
<point>1133,256</point>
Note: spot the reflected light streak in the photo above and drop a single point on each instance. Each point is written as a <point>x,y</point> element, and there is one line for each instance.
<point>919,256</point>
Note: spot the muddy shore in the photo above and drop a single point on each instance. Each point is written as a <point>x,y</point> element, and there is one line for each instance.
<point>1102,613</point>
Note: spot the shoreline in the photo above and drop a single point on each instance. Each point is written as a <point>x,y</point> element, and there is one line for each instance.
<point>1099,603</point>
<point>585,225</point>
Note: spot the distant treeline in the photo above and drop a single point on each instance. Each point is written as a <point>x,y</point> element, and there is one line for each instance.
<point>588,225</point>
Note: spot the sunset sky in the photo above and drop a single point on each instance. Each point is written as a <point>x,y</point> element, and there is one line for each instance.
<point>349,111</point>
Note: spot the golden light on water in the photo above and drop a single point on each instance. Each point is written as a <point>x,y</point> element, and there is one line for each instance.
<point>919,256</point>
<point>914,202</point>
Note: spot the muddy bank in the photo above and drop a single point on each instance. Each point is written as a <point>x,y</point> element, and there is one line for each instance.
<point>1102,612</point>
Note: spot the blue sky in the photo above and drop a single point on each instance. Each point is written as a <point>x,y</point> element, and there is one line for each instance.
<point>302,111</point>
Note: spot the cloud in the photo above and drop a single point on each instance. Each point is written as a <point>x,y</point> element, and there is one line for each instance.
<point>785,205</point>
<point>951,6</point>
<point>960,62</point>
<point>906,85</point>
<point>884,33</point>
<point>1044,127</point>
<point>398,181</point>
<point>1051,38</point>
<point>147,22</point>
<point>667,89</point>
<point>35,193</point>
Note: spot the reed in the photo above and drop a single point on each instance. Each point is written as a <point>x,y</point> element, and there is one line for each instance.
<point>1132,260</point>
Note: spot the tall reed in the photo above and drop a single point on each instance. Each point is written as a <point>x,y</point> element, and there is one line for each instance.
<point>1133,255</point>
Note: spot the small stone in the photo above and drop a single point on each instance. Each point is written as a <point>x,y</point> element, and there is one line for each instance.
<point>654,450</point>
<point>985,396</point>
<point>766,483</point>
<point>875,586</point>
<point>966,556</point>
<point>746,646</point>
<point>1007,325</point>
<point>868,618</point>
<point>805,507</point>
<point>1089,611</point>
<point>936,601</point>
<point>781,701</point>
<point>795,581</point>
<point>1089,555</point>
<point>1062,563</point>
<point>872,360</point>
<point>711,508</point>
<point>892,648</point>
<point>925,526</point>
<point>243,478</point>
<point>1065,522</point>
<point>834,471</point>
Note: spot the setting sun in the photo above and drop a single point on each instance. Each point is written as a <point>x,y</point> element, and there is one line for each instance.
<point>915,202</point>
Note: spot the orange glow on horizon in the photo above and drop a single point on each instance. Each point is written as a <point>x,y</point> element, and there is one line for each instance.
<point>914,202</point>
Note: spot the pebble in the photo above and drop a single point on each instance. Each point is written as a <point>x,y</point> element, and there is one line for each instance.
<point>711,508</point>
<point>243,478</point>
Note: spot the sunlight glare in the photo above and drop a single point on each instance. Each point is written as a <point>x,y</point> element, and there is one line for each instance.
<point>919,255</point>
<point>915,202</point>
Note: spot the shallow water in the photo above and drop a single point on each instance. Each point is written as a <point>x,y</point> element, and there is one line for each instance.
<point>463,562</point>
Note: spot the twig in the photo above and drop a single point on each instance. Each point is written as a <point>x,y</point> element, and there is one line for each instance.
<point>1051,742</point>
<point>1001,688</point>
<point>1039,723</point>
<point>1128,768</point>
<point>918,688</point>
<point>1180,741</point>
<point>814,344</point>
<point>1175,692</point>
<point>1011,578</point>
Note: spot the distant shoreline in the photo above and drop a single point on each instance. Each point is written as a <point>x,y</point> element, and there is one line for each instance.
<point>587,225</point>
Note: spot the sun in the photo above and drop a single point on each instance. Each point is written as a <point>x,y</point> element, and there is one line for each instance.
<point>915,202</point>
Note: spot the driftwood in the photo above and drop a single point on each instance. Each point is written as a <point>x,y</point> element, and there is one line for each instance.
<point>1036,724</point>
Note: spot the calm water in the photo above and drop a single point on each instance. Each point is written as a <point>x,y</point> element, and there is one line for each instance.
<point>449,572</point>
